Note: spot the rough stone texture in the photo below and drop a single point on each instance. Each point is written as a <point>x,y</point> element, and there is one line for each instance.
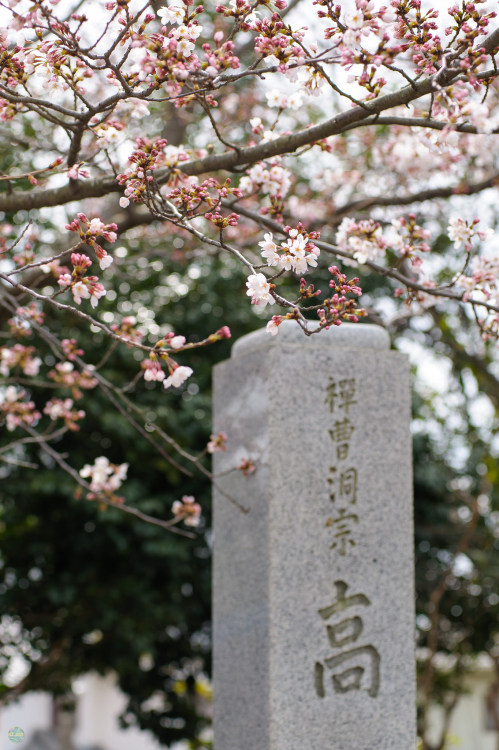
<point>292,669</point>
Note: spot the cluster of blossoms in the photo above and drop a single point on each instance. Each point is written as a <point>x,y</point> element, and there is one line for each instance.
<point>66,376</point>
<point>296,254</point>
<point>217,443</point>
<point>274,181</point>
<point>406,237</point>
<point>58,408</point>
<point>153,370</point>
<point>82,286</point>
<point>363,36</point>
<point>127,329</point>
<point>246,467</point>
<point>105,479</point>
<point>20,325</point>
<point>367,240</point>
<point>70,348</point>
<point>89,230</point>
<point>278,43</point>
<point>190,196</point>
<point>259,289</point>
<point>456,105</point>
<point>361,22</point>
<point>15,411</point>
<point>19,356</point>
<point>147,157</point>
<point>182,40</point>
<point>221,58</point>
<point>339,307</point>
<point>362,239</point>
<point>461,232</point>
<point>484,277</point>
<point>172,14</point>
<point>187,510</point>
<point>108,133</point>
<point>178,374</point>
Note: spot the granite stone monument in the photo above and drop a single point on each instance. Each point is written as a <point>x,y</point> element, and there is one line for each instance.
<point>313,553</point>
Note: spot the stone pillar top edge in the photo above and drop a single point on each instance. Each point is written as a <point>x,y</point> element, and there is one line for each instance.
<point>346,336</point>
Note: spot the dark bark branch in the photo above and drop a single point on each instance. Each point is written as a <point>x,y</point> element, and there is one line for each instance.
<point>422,195</point>
<point>422,122</point>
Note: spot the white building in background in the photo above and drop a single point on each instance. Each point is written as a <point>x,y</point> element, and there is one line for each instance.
<point>95,725</point>
<point>99,703</point>
<point>472,724</point>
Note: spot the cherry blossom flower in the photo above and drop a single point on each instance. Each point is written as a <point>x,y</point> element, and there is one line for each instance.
<point>269,250</point>
<point>58,408</point>
<point>76,172</point>
<point>461,232</point>
<point>272,326</point>
<point>296,253</point>
<point>105,477</point>
<point>171,14</point>
<point>152,370</point>
<point>19,356</point>
<point>259,290</point>
<point>217,443</point>
<point>71,350</point>
<point>484,277</point>
<point>246,467</point>
<point>67,376</point>
<point>15,410</point>
<point>364,239</point>
<point>79,289</point>
<point>177,341</point>
<point>127,330</point>
<point>354,19</point>
<point>178,376</point>
<point>187,510</point>
<point>83,287</point>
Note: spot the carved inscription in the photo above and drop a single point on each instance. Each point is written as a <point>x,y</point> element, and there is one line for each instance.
<point>342,477</point>
<point>350,667</point>
<point>354,664</point>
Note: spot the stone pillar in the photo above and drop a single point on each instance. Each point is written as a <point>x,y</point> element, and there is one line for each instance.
<point>313,600</point>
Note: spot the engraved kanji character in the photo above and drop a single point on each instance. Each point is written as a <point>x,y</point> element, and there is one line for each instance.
<point>341,434</point>
<point>342,531</point>
<point>347,393</point>
<point>348,485</point>
<point>358,668</point>
<point>342,602</point>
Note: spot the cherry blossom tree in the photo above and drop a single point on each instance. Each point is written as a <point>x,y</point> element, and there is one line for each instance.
<point>333,152</point>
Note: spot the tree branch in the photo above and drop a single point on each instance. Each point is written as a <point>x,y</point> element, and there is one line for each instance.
<point>228,160</point>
